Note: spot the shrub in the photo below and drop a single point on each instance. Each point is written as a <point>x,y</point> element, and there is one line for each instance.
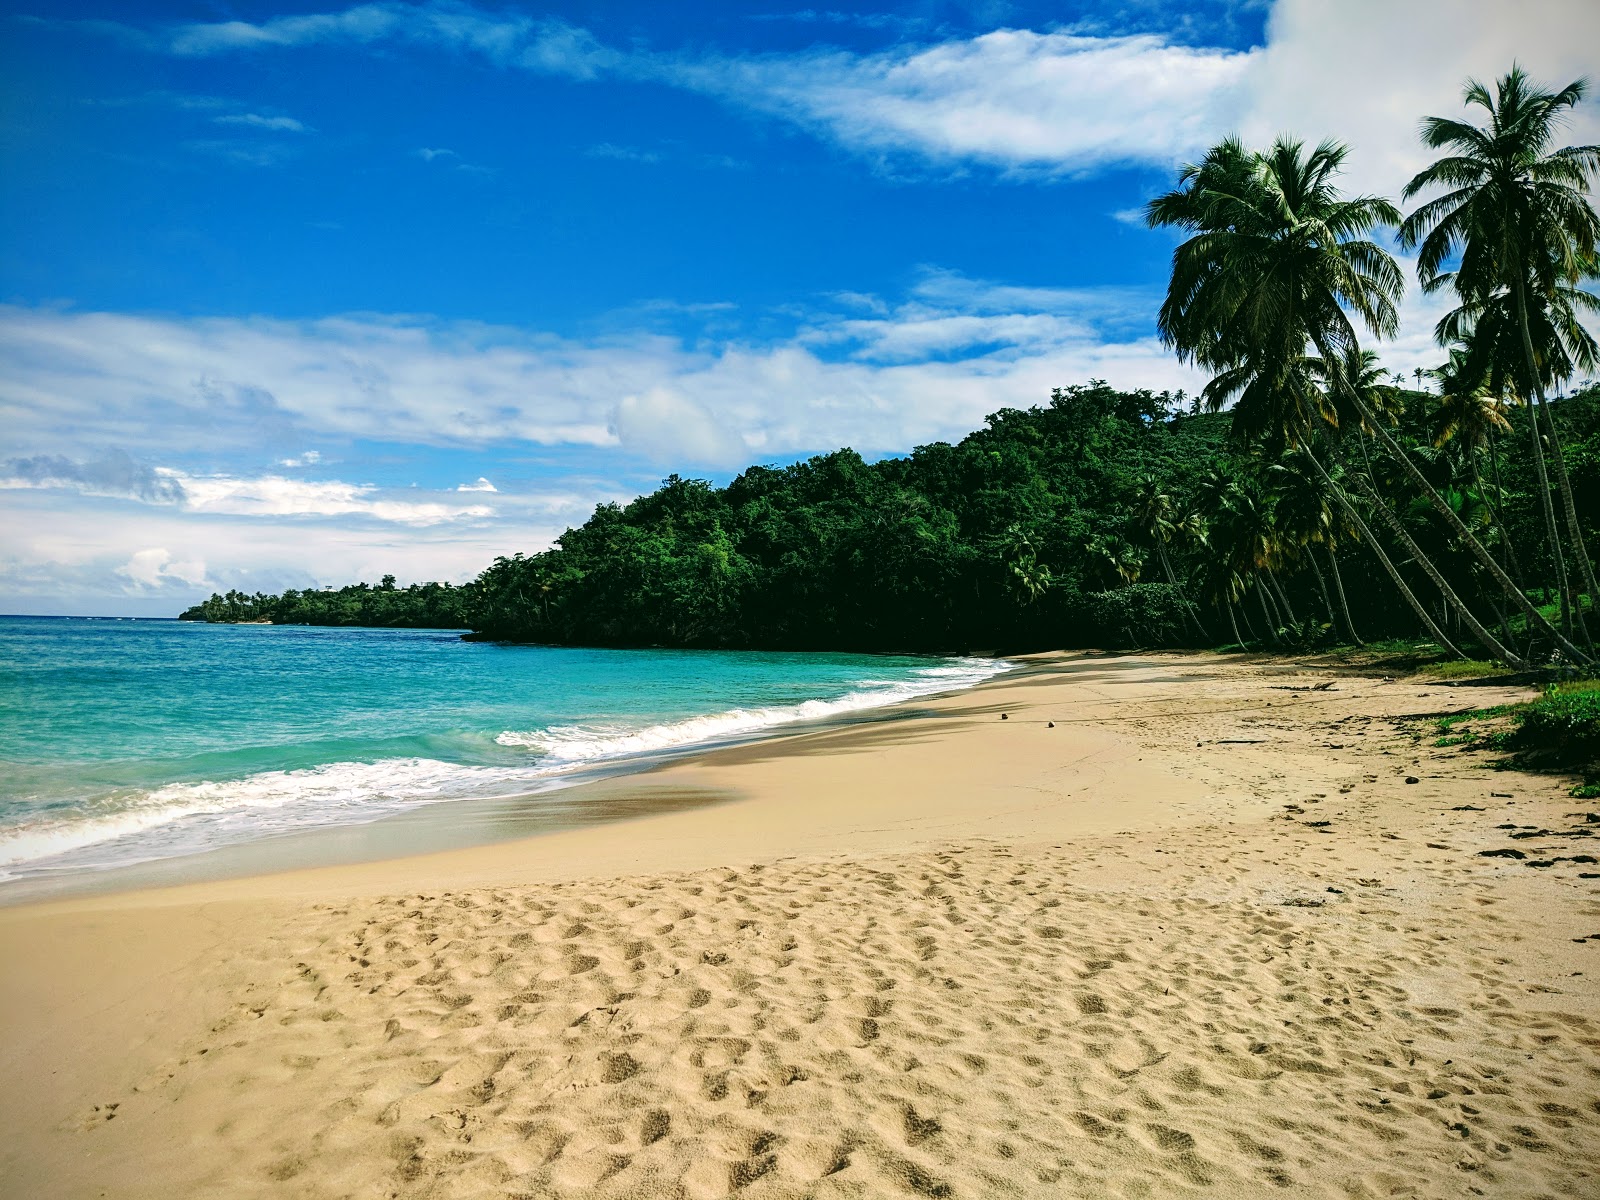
<point>1149,615</point>
<point>1564,722</point>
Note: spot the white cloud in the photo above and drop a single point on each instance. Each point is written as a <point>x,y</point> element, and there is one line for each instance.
<point>545,45</point>
<point>1012,98</point>
<point>251,120</point>
<point>112,474</point>
<point>483,485</point>
<point>1327,73</point>
<point>881,378</point>
<point>67,554</point>
<point>154,569</point>
<point>309,459</point>
<point>278,496</point>
<point>666,425</point>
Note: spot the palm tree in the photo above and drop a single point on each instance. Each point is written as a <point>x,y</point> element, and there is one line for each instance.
<point>1117,556</point>
<point>1516,221</point>
<point>1156,521</point>
<point>1471,415</point>
<point>1307,516</point>
<point>1491,334</point>
<point>1027,574</point>
<point>1264,294</point>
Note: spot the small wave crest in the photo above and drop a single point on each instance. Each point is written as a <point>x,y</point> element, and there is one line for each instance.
<point>573,744</point>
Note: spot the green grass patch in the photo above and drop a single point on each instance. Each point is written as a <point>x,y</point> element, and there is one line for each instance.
<point>1563,724</point>
<point>1463,668</point>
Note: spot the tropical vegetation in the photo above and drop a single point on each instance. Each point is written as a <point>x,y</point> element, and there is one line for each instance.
<point>419,606</point>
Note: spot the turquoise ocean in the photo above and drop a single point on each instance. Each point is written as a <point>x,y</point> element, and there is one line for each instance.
<point>127,741</point>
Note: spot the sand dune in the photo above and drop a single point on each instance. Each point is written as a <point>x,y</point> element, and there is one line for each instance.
<point>1207,941</point>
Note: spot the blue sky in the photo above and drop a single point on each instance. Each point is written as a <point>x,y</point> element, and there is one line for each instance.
<point>299,293</point>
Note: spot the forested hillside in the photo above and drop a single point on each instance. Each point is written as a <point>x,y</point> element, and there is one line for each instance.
<point>1104,518</point>
<point>420,606</point>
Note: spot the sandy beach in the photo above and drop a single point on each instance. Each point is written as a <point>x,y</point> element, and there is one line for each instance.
<point>1176,925</point>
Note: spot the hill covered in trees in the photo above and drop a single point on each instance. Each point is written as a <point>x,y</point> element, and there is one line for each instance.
<point>1103,518</point>
<point>420,606</point>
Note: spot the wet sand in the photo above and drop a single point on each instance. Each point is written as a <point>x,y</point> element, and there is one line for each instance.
<point>1200,936</point>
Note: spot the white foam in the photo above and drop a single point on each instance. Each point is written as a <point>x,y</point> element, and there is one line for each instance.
<point>267,802</point>
<point>573,744</point>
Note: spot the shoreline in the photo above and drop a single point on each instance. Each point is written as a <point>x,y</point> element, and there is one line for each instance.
<point>1201,932</point>
<point>584,794</point>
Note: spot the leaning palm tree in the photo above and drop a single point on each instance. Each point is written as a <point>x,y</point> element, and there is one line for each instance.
<point>1514,221</point>
<point>1116,558</point>
<point>1491,332</point>
<point>1267,294</point>
<point>1307,517</point>
<point>1471,415</point>
<point>1156,520</point>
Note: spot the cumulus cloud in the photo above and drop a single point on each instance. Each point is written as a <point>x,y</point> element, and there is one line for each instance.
<point>84,554</point>
<point>309,459</point>
<point>154,568</point>
<point>1323,73</point>
<point>118,475</point>
<point>667,425</point>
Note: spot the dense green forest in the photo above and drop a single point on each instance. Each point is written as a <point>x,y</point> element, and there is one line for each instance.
<point>1102,518</point>
<point>1307,496</point>
<point>420,606</point>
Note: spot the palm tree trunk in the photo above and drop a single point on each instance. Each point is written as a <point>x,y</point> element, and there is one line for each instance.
<point>1499,517</point>
<point>1344,604</point>
<point>1564,484</point>
<point>1248,623</point>
<point>1183,599</point>
<point>1377,548</point>
<point>1272,629</point>
<point>1233,621</point>
<point>1536,382</point>
<point>1542,481</point>
<point>1283,599</point>
<point>1463,534</point>
<point>1454,601</point>
<point>1322,586</point>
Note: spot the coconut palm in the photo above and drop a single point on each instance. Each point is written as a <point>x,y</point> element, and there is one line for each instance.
<point>1516,223</point>
<point>1490,333</point>
<point>1307,516</point>
<point>1117,557</point>
<point>1471,415</point>
<point>1156,520</point>
<point>1267,294</point>
<point>1027,574</point>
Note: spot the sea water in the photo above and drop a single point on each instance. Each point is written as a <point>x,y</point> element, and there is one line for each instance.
<point>124,741</point>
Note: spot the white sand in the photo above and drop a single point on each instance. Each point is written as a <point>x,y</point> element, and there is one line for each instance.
<point>950,956</point>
